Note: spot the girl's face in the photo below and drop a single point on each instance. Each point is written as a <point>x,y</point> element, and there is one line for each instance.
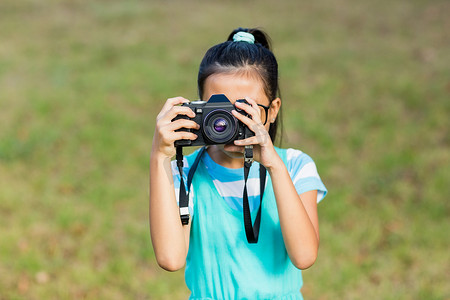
<point>238,86</point>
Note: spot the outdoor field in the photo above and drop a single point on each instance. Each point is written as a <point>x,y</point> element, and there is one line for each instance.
<point>365,92</point>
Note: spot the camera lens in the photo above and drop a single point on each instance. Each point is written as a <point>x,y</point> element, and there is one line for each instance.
<point>220,125</point>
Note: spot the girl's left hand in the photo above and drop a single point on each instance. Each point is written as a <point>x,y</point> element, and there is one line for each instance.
<point>263,149</point>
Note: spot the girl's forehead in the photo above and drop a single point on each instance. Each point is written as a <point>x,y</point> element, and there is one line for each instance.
<point>235,86</point>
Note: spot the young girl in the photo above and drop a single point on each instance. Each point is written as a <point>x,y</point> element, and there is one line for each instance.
<point>220,263</point>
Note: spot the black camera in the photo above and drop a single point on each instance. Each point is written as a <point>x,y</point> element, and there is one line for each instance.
<point>217,124</point>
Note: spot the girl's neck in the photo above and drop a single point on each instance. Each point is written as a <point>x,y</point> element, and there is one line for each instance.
<point>220,157</point>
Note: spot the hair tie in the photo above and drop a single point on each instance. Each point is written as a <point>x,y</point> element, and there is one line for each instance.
<point>242,36</point>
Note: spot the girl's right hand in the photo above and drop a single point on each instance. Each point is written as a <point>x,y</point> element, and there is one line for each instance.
<point>165,130</point>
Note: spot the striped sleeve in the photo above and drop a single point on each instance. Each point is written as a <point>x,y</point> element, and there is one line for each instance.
<point>303,172</point>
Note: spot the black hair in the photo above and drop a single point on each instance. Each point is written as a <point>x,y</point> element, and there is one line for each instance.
<point>230,56</point>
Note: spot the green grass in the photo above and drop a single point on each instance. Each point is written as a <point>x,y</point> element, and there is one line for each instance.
<point>366,89</point>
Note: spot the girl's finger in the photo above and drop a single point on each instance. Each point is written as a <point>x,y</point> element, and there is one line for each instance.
<point>248,108</point>
<point>255,125</point>
<point>252,103</point>
<point>182,123</point>
<point>172,102</point>
<point>168,134</point>
<point>254,140</point>
<point>178,110</point>
<point>244,119</point>
<point>182,135</point>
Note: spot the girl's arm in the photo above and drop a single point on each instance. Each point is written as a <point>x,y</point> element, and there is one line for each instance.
<point>298,216</point>
<point>297,213</point>
<point>170,239</point>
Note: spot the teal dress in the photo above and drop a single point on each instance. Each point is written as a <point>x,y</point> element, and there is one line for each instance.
<point>221,264</point>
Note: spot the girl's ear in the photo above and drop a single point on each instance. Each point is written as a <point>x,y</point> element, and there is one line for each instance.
<point>274,108</point>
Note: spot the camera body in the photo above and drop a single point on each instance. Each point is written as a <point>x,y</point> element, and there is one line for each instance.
<point>217,124</point>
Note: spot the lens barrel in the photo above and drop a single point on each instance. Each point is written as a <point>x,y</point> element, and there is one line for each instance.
<point>220,126</point>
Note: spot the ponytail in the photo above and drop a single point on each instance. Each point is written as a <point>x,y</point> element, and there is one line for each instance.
<point>260,37</point>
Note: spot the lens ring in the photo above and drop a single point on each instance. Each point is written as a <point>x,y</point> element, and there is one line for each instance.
<point>220,126</point>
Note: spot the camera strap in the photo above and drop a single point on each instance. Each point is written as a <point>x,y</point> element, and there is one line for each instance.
<point>184,196</point>
<point>252,231</point>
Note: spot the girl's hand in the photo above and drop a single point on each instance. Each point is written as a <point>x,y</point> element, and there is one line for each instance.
<point>263,150</point>
<point>165,130</point>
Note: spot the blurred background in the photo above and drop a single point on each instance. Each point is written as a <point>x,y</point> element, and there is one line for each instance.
<point>366,90</point>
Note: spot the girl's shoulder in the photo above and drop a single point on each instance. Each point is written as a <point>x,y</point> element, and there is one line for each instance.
<point>292,156</point>
<point>303,171</point>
